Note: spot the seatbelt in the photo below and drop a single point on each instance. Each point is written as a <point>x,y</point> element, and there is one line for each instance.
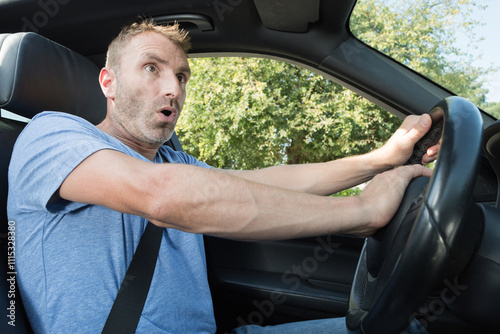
<point>129,303</point>
<point>127,308</point>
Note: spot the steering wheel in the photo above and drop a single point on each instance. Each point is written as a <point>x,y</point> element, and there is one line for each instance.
<point>432,236</point>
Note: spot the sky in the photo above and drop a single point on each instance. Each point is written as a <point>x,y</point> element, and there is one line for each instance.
<point>490,46</point>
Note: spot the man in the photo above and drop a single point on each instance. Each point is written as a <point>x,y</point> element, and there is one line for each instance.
<point>81,197</point>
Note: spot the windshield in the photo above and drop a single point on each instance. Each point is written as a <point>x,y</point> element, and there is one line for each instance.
<point>452,42</point>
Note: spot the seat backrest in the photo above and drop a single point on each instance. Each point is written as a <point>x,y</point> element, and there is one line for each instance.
<point>36,74</point>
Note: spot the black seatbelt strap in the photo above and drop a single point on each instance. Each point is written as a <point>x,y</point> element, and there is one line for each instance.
<point>127,308</point>
<point>129,303</point>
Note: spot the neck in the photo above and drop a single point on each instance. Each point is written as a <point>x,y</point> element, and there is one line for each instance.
<point>147,150</point>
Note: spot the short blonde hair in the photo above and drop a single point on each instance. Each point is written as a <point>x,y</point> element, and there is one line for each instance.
<point>173,32</point>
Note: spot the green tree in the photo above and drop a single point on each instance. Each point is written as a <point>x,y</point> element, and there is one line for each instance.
<point>250,113</point>
<point>493,109</point>
<point>422,34</point>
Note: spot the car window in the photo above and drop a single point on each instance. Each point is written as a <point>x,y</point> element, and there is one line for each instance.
<point>452,42</point>
<point>246,113</point>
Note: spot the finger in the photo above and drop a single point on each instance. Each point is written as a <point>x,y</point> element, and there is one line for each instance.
<point>414,171</point>
<point>421,127</point>
<point>427,172</point>
<point>431,154</point>
<point>409,122</point>
<point>427,159</point>
<point>433,150</point>
<point>421,171</point>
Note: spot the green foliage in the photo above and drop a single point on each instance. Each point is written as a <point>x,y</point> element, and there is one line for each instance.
<point>493,109</point>
<point>348,192</point>
<point>422,34</point>
<point>250,112</point>
<point>245,113</point>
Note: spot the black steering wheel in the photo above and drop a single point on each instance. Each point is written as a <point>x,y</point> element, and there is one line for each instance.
<point>432,236</point>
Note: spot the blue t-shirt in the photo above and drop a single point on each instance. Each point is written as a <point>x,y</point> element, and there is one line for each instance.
<point>71,257</point>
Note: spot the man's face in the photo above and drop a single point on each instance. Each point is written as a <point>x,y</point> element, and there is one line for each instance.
<point>150,88</point>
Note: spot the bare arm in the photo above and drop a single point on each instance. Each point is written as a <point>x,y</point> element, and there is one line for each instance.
<point>317,178</point>
<point>197,200</point>
<point>331,177</point>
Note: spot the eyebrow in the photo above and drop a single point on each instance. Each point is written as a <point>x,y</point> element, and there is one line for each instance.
<point>155,57</point>
<point>163,61</point>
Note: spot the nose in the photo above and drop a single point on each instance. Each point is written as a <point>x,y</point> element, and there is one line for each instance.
<point>171,87</point>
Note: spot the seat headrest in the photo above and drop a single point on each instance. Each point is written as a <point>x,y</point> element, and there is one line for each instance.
<point>37,74</point>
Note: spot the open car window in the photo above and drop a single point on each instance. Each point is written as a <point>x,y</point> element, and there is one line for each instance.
<point>246,113</point>
<point>451,42</point>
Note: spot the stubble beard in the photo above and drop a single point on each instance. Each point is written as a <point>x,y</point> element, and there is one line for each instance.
<point>138,118</point>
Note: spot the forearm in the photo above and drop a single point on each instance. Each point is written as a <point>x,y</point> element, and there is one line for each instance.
<point>226,206</point>
<point>197,200</point>
<point>331,177</point>
<point>318,178</point>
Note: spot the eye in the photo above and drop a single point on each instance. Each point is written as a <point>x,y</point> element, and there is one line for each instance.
<point>181,78</point>
<point>152,69</point>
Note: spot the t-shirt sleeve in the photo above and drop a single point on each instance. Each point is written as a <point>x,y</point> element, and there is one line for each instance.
<point>181,157</point>
<point>46,152</point>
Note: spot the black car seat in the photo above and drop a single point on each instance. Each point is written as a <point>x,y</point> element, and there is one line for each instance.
<point>36,74</point>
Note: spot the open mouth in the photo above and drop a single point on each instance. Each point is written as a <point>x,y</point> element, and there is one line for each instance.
<point>167,114</point>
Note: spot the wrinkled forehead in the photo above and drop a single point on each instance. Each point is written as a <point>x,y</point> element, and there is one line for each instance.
<point>153,45</point>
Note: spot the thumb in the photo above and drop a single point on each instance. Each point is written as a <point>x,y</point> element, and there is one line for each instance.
<point>421,127</point>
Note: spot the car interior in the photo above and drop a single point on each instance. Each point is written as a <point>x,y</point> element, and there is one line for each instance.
<point>50,56</point>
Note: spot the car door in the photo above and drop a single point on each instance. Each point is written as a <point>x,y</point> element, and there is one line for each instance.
<point>271,282</point>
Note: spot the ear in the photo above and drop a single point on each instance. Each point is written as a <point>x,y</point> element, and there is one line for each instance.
<point>107,80</point>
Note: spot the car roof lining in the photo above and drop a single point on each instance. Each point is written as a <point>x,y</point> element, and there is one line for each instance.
<point>88,27</point>
<point>289,16</point>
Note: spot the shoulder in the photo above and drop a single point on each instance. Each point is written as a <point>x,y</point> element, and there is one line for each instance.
<point>60,138</point>
<point>54,127</point>
<point>54,120</point>
<point>57,129</point>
